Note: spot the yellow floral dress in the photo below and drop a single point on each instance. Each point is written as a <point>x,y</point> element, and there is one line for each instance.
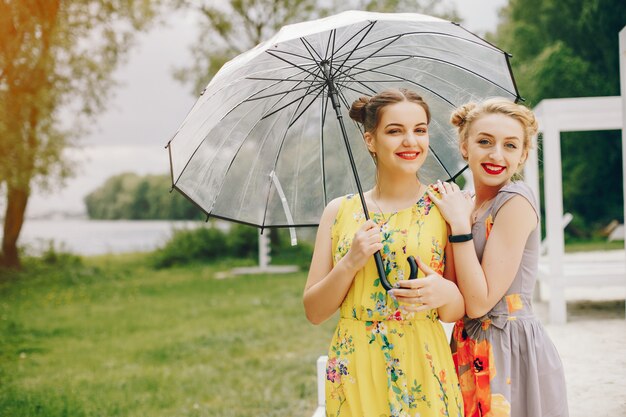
<point>383,362</point>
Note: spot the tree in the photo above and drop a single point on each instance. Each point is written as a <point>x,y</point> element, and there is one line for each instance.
<point>130,196</point>
<point>569,48</point>
<point>56,58</point>
<point>231,27</point>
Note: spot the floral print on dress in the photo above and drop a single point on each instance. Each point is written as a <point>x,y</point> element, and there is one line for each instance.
<point>376,340</point>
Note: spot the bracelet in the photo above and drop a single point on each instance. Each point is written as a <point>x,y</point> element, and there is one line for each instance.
<point>460,238</point>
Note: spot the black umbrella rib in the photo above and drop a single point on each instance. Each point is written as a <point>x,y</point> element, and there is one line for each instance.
<point>300,80</point>
<point>281,92</point>
<point>342,85</point>
<point>309,58</point>
<point>319,87</point>
<point>256,97</point>
<point>401,35</point>
<point>307,107</point>
<point>309,48</point>
<point>367,57</point>
<point>367,31</point>
<point>367,27</point>
<point>432,151</point>
<point>363,70</point>
<point>295,65</point>
<point>419,85</point>
<point>333,34</point>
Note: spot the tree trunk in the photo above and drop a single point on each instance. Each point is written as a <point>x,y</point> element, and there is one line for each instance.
<point>13,221</point>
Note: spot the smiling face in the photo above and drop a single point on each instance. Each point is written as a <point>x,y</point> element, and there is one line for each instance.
<point>494,149</point>
<point>400,141</point>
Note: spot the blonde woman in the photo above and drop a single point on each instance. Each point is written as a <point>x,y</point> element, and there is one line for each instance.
<point>506,363</point>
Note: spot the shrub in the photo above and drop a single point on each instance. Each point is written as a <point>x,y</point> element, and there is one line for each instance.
<point>187,246</point>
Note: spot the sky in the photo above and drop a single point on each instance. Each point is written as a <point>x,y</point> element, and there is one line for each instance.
<point>148,106</point>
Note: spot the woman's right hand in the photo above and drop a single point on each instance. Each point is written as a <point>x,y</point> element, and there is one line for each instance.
<point>366,242</point>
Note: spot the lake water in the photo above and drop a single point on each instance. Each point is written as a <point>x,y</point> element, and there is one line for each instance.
<point>93,237</point>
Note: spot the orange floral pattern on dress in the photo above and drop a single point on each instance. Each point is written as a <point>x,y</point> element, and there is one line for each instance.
<point>514,302</point>
<point>476,368</point>
<point>488,226</point>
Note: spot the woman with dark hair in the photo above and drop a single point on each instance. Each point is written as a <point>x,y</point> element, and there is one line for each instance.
<point>389,355</point>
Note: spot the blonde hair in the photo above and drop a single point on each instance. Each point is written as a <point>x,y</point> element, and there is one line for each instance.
<point>464,116</point>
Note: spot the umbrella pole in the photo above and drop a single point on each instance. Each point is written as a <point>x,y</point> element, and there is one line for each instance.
<point>332,92</point>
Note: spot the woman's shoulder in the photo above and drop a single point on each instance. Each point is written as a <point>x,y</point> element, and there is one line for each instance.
<point>514,189</point>
<point>334,208</point>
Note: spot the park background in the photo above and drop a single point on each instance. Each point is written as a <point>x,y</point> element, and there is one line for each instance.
<point>98,321</point>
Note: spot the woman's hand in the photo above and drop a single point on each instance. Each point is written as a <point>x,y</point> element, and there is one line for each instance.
<point>454,205</point>
<point>366,242</point>
<point>432,291</point>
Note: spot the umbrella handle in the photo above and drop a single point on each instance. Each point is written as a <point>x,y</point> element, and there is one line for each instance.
<point>381,271</point>
<point>413,265</point>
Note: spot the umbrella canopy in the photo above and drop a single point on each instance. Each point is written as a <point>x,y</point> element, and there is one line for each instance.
<point>264,145</point>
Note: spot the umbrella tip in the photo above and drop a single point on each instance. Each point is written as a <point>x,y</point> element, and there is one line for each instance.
<point>207,218</point>
<point>456,23</point>
<point>202,92</point>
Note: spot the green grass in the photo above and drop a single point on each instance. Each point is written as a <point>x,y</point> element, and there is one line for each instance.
<point>593,245</point>
<point>111,337</point>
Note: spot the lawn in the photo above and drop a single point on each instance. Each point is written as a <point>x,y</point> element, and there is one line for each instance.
<point>113,337</point>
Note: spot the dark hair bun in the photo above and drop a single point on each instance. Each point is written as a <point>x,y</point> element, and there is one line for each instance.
<point>357,111</point>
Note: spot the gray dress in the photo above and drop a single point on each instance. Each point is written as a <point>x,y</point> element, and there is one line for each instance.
<point>506,363</point>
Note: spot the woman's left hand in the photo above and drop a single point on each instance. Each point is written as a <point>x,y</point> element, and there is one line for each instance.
<point>432,291</point>
<point>454,205</point>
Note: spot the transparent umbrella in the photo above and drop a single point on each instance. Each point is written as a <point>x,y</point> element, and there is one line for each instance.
<point>268,143</point>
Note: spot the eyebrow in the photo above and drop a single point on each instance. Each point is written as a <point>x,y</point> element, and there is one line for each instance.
<point>490,135</point>
<point>401,125</point>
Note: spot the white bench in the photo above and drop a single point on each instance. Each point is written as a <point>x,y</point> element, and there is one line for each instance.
<point>321,382</point>
<point>586,269</point>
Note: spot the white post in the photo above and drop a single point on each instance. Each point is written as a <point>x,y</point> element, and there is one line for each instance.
<point>264,251</point>
<point>531,177</point>
<point>531,168</point>
<point>622,77</point>
<point>553,190</point>
<point>321,386</point>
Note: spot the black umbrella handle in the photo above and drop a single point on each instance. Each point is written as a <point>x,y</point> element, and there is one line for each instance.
<point>381,271</point>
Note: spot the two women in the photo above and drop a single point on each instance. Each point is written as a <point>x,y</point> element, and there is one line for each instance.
<point>389,356</point>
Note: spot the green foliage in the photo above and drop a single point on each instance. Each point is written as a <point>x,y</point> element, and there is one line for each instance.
<point>570,49</point>
<point>202,244</point>
<point>56,58</point>
<point>130,196</point>
<point>240,242</point>
<point>130,341</point>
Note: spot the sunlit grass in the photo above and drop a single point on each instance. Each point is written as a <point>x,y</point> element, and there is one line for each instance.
<point>112,337</point>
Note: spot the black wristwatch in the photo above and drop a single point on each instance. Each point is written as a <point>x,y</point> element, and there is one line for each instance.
<point>460,238</point>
